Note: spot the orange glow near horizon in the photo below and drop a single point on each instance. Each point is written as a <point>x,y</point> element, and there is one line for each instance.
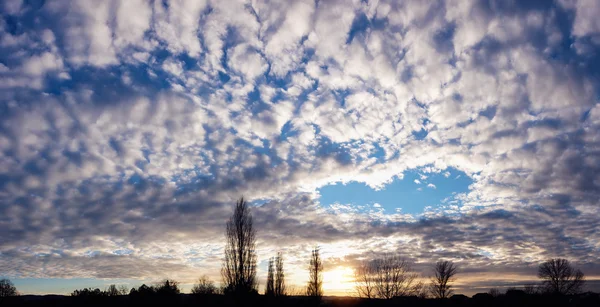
<point>339,281</point>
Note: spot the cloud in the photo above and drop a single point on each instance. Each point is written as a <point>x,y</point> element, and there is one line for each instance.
<point>177,24</point>
<point>134,126</point>
<point>247,62</point>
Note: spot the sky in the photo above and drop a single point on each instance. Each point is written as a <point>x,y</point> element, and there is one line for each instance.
<point>457,130</point>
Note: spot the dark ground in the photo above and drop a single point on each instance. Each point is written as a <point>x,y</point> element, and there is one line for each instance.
<point>512,300</point>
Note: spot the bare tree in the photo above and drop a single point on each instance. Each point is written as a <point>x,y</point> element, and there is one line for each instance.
<point>280,289</point>
<point>363,277</point>
<point>295,290</point>
<point>531,289</point>
<point>123,290</point>
<point>420,290</point>
<point>494,292</point>
<point>7,288</point>
<point>270,289</point>
<point>560,277</point>
<point>386,278</point>
<point>112,290</point>
<point>239,266</point>
<point>444,272</point>
<point>315,281</point>
<point>204,286</point>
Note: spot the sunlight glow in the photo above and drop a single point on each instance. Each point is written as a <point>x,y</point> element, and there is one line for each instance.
<point>339,281</point>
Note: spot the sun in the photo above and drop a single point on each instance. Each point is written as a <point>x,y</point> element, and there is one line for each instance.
<point>338,281</point>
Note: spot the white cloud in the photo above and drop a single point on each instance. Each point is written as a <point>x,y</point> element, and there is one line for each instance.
<point>284,49</point>
<point>178,25</point>
<point>586,22</point>
<point>133,20</point>
<point>41,64</point>
<point>173,67</point>
<point>87,32</point>
<point>248,62</point>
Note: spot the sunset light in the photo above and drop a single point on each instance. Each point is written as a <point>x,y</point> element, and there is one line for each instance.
<point>339,281</point>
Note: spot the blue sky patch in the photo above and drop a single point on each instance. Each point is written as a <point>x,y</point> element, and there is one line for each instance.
<point>411,194</point>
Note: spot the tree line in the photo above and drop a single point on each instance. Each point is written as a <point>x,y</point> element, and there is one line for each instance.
<point>383,278</point>
<point>387,277</point>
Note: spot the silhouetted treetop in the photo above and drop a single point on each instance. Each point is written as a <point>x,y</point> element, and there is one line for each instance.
<point>204,286</point>
<point>7,288</point>
<point>386,278</point>
<point>239,265</point>
<point>560,277</point>
<point>315,270</point>
<point>443,275</point>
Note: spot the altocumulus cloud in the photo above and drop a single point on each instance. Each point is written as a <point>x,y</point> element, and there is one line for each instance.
<point>128,128</point>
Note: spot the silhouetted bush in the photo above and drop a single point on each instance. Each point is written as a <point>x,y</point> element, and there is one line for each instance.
<point>88,292</point>
<point>204,286</point>
<point>459,297</point>
<point>515,293</point>
<point>145,291</point>
<point>112,290</point>
<point>167,288</point>
<point>483,297</point>
<point>133,292</point>
<point>166,292</point>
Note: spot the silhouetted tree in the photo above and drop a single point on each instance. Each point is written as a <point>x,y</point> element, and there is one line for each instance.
<point>280,289</point>
<point>122,290</point>
<point>239,266</point>
<point>531,289</point>
<point>167,288</point>
<point>364,279</point>
<point>444,272</point>
<point>112,291</point>
<point>7,288</point>
<point>204,286</point>
<point>144,290</point>
<point>386,278</point>
<point>315,281</point>
<point>88,292</point>
<point>270,289</point>
<point>494,292</point>
<point>559,277</point>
